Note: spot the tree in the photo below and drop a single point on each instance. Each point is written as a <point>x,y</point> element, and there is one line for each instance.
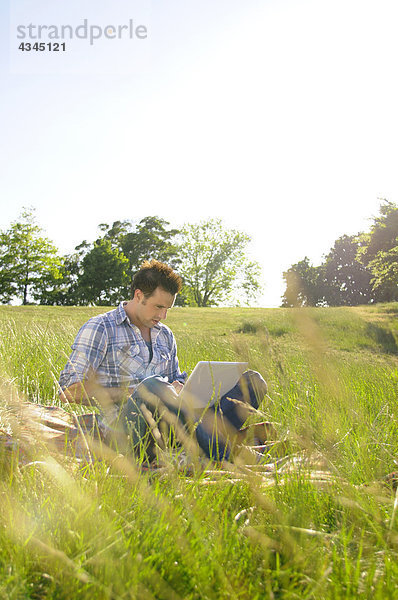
<point>104,278</point>
<point>213,264</point>
<point>347,281</point>
<point>7,284</point>
<point>340,280</point>
<point>116,232</point>
<point>384,269</point>
<point>383,235</point>
<point>26,259</point>
<point>98,273</point>
<point>359,269</point>
<point>378,252</point>
<point>63,290</point>
<point>304,285</point>
<point>250,281</point>
<point>151,239</point>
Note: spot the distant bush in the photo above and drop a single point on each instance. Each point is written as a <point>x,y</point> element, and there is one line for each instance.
<point>393,309</point>
<point>273,330</point>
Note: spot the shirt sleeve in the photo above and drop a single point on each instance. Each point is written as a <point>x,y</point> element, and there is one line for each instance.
<point>176,374</point>
<point>88,351</point>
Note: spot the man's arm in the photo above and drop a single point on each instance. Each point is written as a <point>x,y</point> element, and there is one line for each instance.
<point>83,393</point>
<point>77,380</point>
<point>90,393</point>
<point>176,377</point>
<point>177,386</point>
<point>77,392</point>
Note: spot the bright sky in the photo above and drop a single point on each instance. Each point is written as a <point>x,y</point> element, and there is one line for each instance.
<point>279,116</point>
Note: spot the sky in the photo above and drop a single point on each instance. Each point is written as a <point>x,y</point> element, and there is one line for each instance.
<point>278,116</point>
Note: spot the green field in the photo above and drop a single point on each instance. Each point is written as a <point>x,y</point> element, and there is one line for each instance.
<point>318,522</point>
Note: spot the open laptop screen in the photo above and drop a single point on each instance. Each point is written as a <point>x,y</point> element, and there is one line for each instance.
<point>209,381</point>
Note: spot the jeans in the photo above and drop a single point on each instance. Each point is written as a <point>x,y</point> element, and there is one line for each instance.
<point>216,433</point>
<point>216,428</point>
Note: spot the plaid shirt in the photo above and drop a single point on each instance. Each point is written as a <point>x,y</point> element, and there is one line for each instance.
<point>112,348</point>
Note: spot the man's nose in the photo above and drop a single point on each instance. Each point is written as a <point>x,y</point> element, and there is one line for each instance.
<point>163,314</point>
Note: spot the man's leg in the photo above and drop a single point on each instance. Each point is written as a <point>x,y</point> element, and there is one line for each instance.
<point>220,430</point>
<point>155,400</point>
<point>158,393</point>
<point>239,402</point>
<point>211,435</point>
<point>134,422</point>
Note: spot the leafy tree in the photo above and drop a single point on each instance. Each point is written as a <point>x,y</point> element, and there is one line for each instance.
<point>7,284</point>
<point>26,259</point>
<point>347,281</point>
<point>63,290</point>
<point>340,280</point>
<point>151,239</point>
<point>383,235</point>
<point>379,251</point>
<point>213,263</point>
<point>250,280</point>
<point>304,285</point>
<point>98,273</point>
<point>384,269</point>
<point>358,269</point>
<point>104,278</point>
<point>116,232</point>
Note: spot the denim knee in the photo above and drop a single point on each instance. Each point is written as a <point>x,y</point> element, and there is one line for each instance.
<point>211,444</point>
<point>254,385</point>
<point>250,388</point>
<point>163,390</point>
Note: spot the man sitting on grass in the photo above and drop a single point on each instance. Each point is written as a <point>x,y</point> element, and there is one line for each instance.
<point>115,351</point>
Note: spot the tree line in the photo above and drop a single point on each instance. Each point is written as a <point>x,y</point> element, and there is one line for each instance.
<point>210,258</point>
<point>359,269</point>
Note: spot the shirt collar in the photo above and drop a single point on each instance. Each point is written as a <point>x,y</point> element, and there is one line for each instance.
<point>121,314</point>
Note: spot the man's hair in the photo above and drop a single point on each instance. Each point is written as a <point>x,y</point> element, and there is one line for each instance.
<point>153,274</point>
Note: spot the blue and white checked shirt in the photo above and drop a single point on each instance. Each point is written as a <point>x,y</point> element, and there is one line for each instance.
<point>112,348</point>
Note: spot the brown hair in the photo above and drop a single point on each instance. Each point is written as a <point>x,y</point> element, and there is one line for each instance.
<point>153,274</point>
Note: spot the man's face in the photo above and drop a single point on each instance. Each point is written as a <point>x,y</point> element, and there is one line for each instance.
<point>149,311</point>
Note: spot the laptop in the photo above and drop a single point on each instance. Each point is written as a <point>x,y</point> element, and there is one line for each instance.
<point>209,381</point>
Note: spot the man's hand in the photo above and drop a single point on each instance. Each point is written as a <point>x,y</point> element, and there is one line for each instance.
<point>83,394</point>
<point>177,386</point>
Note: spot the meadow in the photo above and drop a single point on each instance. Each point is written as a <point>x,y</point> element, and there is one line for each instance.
<point>315,518</point>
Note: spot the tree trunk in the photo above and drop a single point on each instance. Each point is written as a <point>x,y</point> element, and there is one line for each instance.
<point>25,288</point>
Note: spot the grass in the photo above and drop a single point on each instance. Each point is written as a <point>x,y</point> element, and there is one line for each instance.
<point>321,523</point>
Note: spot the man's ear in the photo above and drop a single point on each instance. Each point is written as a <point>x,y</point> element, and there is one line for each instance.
<point>138,295</point>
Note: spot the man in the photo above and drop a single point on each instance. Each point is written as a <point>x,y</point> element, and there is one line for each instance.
<point>115,351</point>
<point>118,349</point>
